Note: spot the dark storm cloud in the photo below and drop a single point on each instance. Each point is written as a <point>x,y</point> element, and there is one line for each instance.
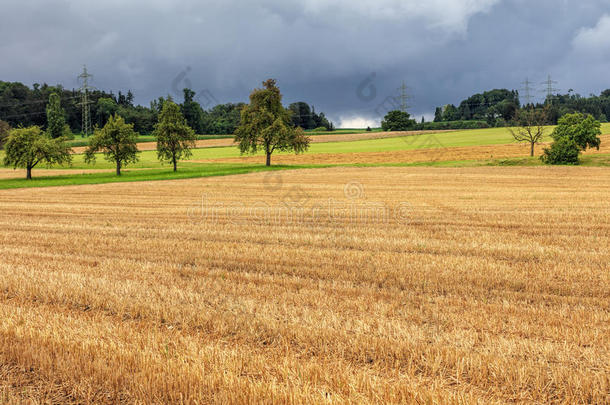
<point>320,51</point>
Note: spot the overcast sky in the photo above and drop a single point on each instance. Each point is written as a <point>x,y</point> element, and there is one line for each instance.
<point>346,57</point>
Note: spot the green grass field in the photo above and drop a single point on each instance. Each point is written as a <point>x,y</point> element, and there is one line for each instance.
<point>188,169</point>
<point>186,172</point>
<point>492,136</point>
<point>80,140</point>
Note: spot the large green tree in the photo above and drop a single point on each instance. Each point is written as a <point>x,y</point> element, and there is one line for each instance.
<point>56,119</point>
<point>574,133</point>
<point>397,121</point>
<point>583,129</point>
<point>27,147</point>
<point>266,124</point>
<point>117,141</point>
<point>174,137</point>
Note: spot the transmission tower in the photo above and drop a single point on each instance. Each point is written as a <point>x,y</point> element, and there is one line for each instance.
<point>85,103</point>
<point>528,91</point>
<point>403,97</point>
<point>550,90</point>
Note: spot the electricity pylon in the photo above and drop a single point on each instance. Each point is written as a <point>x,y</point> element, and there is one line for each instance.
<point>85,103</point>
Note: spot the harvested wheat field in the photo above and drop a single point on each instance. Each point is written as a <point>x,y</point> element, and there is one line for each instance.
<point>389,285</point>
<point>435,152</point>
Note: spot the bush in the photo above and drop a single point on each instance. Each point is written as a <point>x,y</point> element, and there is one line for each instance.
<point>320,129</point>
<point>68,133</point>
<point>563,151</point>
<point>368,129</point>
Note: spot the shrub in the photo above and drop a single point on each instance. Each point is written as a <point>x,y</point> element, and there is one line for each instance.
<point>562,151</point>
<point>320,129</point>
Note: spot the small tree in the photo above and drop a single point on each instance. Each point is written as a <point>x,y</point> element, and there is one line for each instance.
<point>174,137</point>
<point>117,141</point>
<point>574,133</point>
<point>266,124</point>
<point>397,121</point>
<point>5,128</point>
<point>27,147</point>
<point>56,120</point>
<point>531,127</point>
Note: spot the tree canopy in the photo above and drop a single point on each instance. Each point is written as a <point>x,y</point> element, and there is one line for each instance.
<point>573,134</point>
<point>267,125</point>
<point>174,137</point>
<point>28,147</point>
<point>397,121</point>
<point>56,120</point>
<point>117,141</point>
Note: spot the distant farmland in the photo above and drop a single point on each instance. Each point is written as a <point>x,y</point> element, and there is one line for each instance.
<point>453,285</point>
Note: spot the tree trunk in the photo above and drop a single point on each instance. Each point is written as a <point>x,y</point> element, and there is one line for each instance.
<point>175,164</point>
<point>268,158</point>
<point>532,150</point>
<point>29,173</point>
<point>118,168</point>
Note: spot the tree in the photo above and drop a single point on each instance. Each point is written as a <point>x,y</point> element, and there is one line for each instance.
<point>5,128</point>
<point>174,137</point>
<point>27,147</point>
<point>117,141</point>
<point>302,115</point>
<point>581,128</point>
<point>56,120</point>
<point>106,108</point>
<point>266,124</point>
<point>531,127</point>
<point>397,121</point>
<point>438,114</point>
<point>192,111</point>
<point>574,133</point>
<point>451,113</point>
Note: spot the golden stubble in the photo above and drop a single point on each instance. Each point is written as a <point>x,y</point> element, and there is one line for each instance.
<point>477,285</point>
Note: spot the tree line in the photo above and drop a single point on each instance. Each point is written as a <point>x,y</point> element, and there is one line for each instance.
<point>501,107</point>
<point>265,125</point>
<point>23,106</point>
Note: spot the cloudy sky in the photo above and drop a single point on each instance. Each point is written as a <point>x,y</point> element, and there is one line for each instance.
<point>346,57</point>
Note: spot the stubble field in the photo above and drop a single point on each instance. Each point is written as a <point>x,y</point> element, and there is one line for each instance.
<point>387,285</point>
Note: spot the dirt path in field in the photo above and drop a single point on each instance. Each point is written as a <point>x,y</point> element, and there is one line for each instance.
<point>223,142</point>
<point>410,156</point>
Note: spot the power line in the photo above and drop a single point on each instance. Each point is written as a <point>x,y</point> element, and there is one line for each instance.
<point>16,104</point>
